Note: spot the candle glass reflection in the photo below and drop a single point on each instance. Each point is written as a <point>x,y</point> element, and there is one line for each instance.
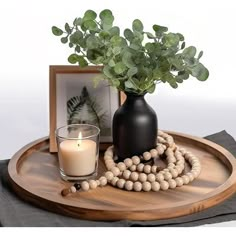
<point>78,151</point>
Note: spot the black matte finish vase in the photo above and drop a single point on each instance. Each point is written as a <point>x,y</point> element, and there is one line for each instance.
<point>134,127</point>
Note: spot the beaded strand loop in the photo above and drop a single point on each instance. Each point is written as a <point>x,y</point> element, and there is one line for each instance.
<point>133,175</point>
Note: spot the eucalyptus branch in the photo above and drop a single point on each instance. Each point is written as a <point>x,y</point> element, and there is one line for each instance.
<point>99,41</point>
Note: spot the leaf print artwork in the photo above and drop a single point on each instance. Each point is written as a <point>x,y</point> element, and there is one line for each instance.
<point>84,109</point>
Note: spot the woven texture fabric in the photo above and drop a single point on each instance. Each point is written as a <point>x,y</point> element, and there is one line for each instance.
<point>16,212</point>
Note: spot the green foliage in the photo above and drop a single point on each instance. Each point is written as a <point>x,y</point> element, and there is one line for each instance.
<point>135,61</point>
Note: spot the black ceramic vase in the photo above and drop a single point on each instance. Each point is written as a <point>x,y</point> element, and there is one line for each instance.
<point>134,127</point>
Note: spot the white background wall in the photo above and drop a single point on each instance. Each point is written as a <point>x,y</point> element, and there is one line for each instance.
<point>27,48</point>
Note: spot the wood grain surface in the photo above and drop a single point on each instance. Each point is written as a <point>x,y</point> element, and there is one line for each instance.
<point>34,175</point>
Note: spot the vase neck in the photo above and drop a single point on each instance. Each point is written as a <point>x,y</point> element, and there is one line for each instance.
<point>135,99</point>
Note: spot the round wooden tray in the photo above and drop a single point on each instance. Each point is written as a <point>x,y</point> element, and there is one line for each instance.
<point>35,177</point>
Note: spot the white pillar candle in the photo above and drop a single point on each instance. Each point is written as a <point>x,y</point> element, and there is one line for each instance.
<point>77,158</point>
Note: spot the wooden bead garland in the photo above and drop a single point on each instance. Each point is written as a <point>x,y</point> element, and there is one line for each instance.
<point>134,175</point>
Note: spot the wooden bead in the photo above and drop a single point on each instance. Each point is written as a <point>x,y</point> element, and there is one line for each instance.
<point>178,169</point>
<point>107,162</point>
<point>114,181</point>
<point>85,186</point>
<point>159,177</point>
<point>172,183</point>
<point>147,169</point>
<point>136,160</point>
<point>155,186</point>
<point>169,152</point>
<point>147,156</point>
<point>171,160</point>
<point>154,169</point>
<point>72,189</point>
<point>103,181</point>
<point>160,150</point>
<point>110,164</point>
<point>190,176</point>
<point>146,186</point>
<point>142,177</point>
<point>151,178</point>
<point>154,153</point>
<point>174,173</point>
<point>107,158</point>
<point>109,175</point>
<point>115,171</point>
<point>160,132</point>
<point>98,182</point>
<point>165,170</point>
<point>126,174</point>
<point>121,166</point>
<point>161,140</point>
<point>128,162</point>
<point>140,167</point>
<point>92,184</point>
<point>108,153</point>
<point>120,183</point>
<point>182,150</point>
<point>171,165</point>
<point>167,176</point>
<point>137,186</point>
<point>129,185</point>
<point>195,173</point>
<point>133,168</point>
<point>161,172</point>
<point>134,176</point>
<point>179,182</point>
<point>164,185</point>
<point>185,179</point>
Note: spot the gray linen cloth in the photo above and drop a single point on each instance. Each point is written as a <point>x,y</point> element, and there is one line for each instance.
<point>14,212</point>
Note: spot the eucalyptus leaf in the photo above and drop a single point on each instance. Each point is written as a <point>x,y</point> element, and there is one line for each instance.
<point>200,72</point>
<point>90,24</point>
<point>120,68</point>
<point>127,59</point>
<point>200,55</point>
<point>116,50</point>
<point>111,63</point>
<point>107,72</point>
<point>114,31</point>
<point>189,52</point>
<point>77,21</point>
<point>152,88</point>
<point>67,28</point>
<point>129,35</point>
<point>56,31</point>
<point>64,39</point>
<point>82,61</point>
<point>76,37</point>
<point>137,25</point>
<point>77,49</point>
<point>132,71</point>
<point>73,58</point>
<point>115,82</point>
<point>89,15</point>
<point>92,42</point>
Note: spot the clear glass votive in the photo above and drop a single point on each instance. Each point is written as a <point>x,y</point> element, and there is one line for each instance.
<point>78,151</point>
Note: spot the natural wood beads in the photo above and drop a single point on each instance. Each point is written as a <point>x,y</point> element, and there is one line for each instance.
<point>134,175</point>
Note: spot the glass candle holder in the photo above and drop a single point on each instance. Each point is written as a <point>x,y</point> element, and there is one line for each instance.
<point>78,151</point>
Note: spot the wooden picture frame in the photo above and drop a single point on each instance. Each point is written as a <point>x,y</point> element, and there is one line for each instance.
<point>64,79</point>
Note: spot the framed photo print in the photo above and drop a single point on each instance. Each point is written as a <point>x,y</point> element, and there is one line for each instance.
<point>75,100</point>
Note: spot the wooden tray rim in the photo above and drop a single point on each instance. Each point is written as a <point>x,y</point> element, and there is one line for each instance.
<point>219,194</point>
